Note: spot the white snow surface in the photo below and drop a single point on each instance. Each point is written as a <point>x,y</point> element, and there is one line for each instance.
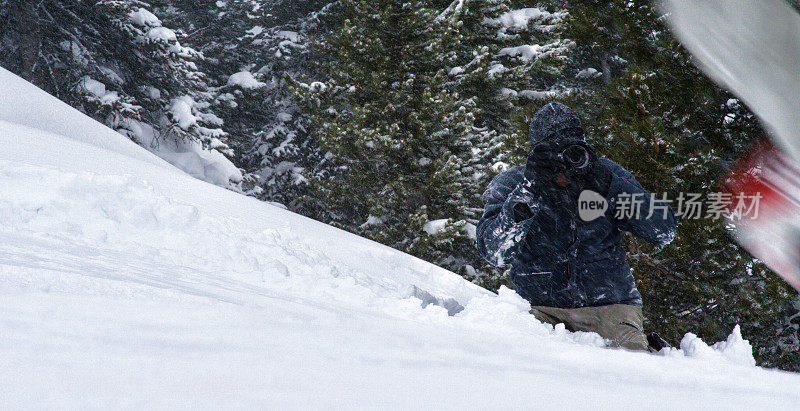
<point>245,80</point>
<point>162,34</point>
<point>525,53</point>
<point>434,226</point>
<point>24,104</point>
<point>125,283</point>
<point>181,110</point>
<point>519,19</point>
<point>144,17</point>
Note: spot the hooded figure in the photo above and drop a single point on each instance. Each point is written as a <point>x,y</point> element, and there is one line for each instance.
<point>553,122</point>
<point>571,269</point>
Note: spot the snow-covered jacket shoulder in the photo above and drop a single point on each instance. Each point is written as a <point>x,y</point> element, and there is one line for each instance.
<point>497,232</point>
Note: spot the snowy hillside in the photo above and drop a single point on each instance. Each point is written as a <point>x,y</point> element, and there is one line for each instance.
<point>124,282</point>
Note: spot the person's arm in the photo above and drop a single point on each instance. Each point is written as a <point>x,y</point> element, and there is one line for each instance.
<point>506,219</point>
<point>658,229</point>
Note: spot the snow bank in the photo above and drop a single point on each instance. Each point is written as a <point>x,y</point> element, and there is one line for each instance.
<point>44,112</point>
<point>735,349</point>
<point>189,156</point>
<point>206,165</point>
<point>25,104</point>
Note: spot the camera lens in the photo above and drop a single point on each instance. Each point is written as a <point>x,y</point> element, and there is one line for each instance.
<point>576,156</point>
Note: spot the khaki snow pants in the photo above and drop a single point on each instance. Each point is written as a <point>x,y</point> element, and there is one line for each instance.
<point>620,323</point>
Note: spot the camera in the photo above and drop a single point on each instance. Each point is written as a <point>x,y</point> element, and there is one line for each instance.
<point>576,156</point>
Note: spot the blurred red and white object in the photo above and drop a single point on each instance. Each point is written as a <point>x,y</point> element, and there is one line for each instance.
<point>772,234</point>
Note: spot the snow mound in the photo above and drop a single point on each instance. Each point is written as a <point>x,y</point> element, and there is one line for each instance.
<point>735,349</point>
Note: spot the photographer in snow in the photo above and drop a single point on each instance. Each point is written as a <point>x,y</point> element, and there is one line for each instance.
<point>571,269</point>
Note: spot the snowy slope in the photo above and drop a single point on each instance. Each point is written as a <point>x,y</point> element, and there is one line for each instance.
<point>126,283</point>
<point>43,112</point>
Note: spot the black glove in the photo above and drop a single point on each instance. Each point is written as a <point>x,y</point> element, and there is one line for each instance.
<point>522,212</point>
<point>562,170</point>
<point>546,172</point>
<point>544,164</point>
<point>597,179</point>
<point>541,169</point>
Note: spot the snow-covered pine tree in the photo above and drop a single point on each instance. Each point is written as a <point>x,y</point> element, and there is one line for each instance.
<point>397,133</point>
<point>505,54</point>
<point>281,152</point>
<point>115,60</point>
<point>249,46</point>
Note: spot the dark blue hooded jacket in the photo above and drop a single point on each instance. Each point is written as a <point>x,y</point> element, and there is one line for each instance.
<point>557,259</point>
